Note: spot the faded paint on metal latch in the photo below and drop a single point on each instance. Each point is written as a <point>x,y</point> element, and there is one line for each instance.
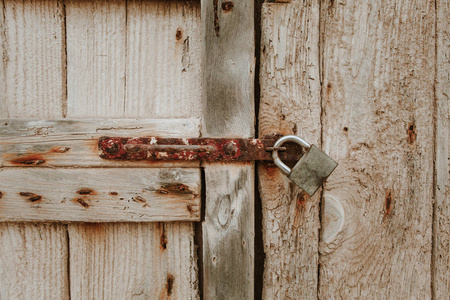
<point>208,149</point>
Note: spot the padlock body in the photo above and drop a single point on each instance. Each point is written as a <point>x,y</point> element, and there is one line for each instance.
<point>312,170</point>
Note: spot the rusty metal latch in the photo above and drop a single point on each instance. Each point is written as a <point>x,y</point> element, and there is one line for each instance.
<point>207,149</point>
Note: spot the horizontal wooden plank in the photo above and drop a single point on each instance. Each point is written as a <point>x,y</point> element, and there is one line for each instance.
<point>73,143</point>
<point>99,195</point>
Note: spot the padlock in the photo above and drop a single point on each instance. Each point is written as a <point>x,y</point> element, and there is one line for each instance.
<point>311,170</point>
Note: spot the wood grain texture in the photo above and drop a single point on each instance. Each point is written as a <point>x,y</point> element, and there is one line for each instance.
<point>228,111</point>
<point>441,226</point>
<point>33,261</point>
<point>378,104</point>
<point>73,143</point>
<point>228,232</point>
<point>33,258</point>
<point>163,59</point>
<point>133,261</point>
<point>96,51</point>
<point>228,78</point>
<point>100,195</point>
<point>132,276</point>
<point>34,80</point>
<point>290,104</point>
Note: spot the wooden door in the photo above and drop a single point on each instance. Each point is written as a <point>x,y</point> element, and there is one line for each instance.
<point>365,81</point>
<point>368,82</point>
<point>76,226</point>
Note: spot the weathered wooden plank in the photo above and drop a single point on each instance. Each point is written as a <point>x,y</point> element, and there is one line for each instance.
<point>228,232</point>
<point>33,59</point>
<point>163,59</point>
<point>99,195</point>
<point>228,111</point>
<point>33,258</point>
<point>73,143</point>
<point>33,261</point>
<point>290,104</point>
<point>229,62</point>
<point>441,226</point>
<point>168,269</point>
<point>133,261</point>
<point>96,50</point>
<point>378,104</point>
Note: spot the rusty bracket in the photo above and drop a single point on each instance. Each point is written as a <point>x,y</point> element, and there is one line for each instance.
<point>207,149</point>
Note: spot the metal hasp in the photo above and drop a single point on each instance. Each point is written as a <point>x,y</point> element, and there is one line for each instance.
<point>182,149</point>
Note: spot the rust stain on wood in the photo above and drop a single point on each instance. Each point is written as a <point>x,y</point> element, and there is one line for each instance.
<point>1,195</point>
<point>302,199</point>
<point>162,191</point>
<point>113,193</point>
<point>31,196</point>
<point>170,281</point>
<point>179,34</point>
<point>227,6</point>
<point>178,188</point>
<point>388,203</point>
<point>412,133</point>
<point>190,209</point>
<point>216,17</point>
<point>82,202</point>
<point>86,191</point>
<point>29,160</point>
<point>60,149</point>
<point>139,199</point>
<point>163,239</point>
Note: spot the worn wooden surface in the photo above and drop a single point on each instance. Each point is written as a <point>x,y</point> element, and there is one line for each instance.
<point>33,61</point>
<point>33,261</point>
<point>441,226</point>
<point>73,143</point>
<point>96,52</point>
<point>378,103</point>
<point>33,258</point>
<point>290,104</point>
<point>228,111</point>
<point>163,59</point>
<point>108,53</point>
<point>100,195</point>
<point>133,261</point>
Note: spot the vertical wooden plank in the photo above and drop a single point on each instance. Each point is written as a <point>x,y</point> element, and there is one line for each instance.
<point>228,32</point>
<point>290,104</point>
<point>33,261</point>
<point>163,59</point>
<point>33,258</point>
<point>34,59</point>
<point>133,261</point>
<point>96,43</point>
<point>441,226</point>
<point>157,260</point>
<point>378,122</point>
<point>228,111</point>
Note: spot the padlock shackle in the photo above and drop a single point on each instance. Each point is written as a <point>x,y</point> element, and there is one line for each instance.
<point>287,138</point>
